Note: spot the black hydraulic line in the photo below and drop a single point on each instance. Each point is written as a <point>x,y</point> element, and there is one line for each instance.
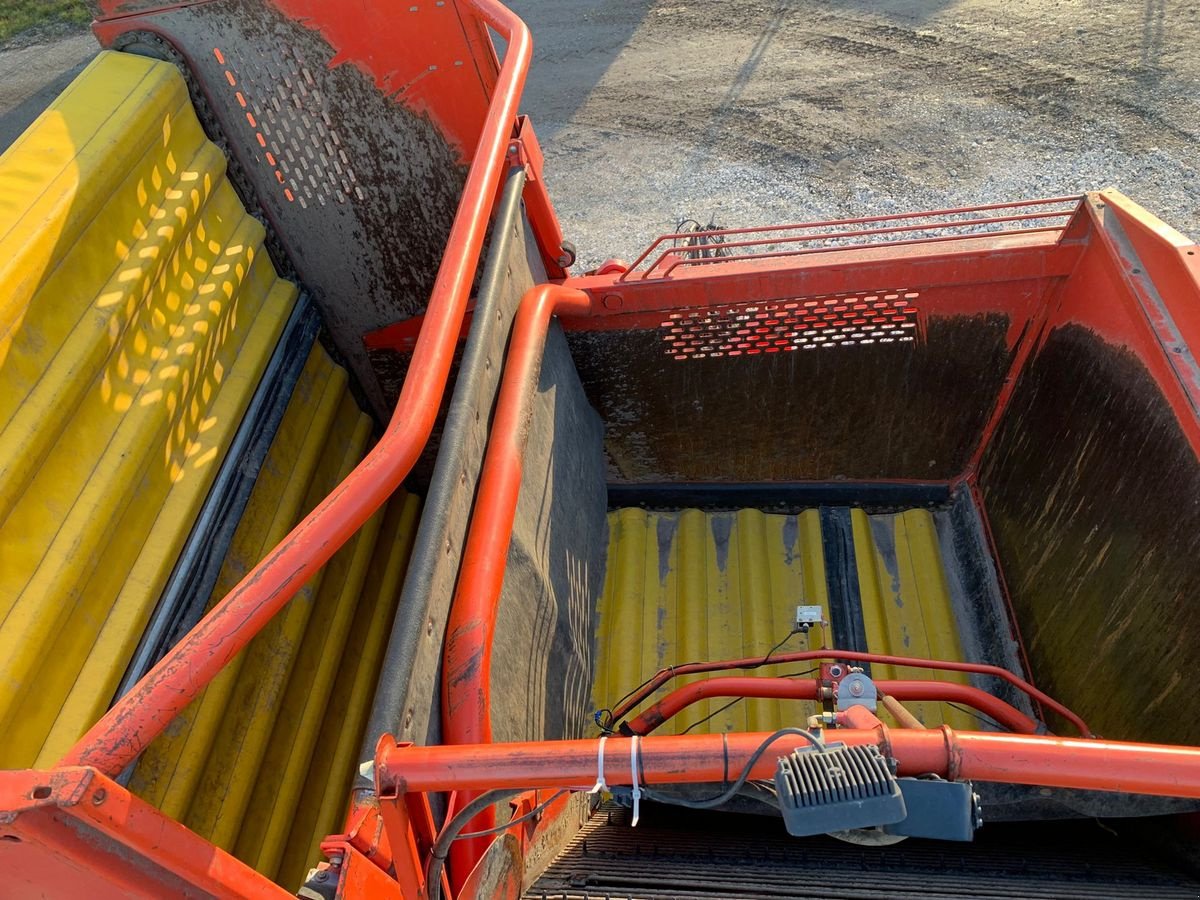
<point>191,582</point>
<point>841,580</point>
<point>782,496</point>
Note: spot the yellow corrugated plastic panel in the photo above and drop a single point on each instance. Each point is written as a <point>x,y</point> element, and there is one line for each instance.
<point>693,585</point>
<point>906,602</point>
<point>687,586</point>
<point>137,312</point>
<point>261,763</point>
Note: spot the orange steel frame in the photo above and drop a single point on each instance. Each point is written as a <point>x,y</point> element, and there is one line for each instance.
<point>812,689</point>
<point>1041,760</point>
<point>75,822</point>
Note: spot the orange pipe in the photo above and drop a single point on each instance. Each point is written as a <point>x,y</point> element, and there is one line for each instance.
<point>1040,760</point>
<point>809,689</point>
<point>471,630</point>
<point>142,714</point>
<point>661,677</point>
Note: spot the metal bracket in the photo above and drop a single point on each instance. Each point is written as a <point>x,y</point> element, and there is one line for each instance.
<point>857,689</point>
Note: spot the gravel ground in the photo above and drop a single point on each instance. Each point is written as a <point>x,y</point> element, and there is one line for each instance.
<point>31,75</point>
<point>756,113</point>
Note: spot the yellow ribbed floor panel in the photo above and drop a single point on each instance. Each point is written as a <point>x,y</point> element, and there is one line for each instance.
<point>687,586</point>
<point>137,312</point>
<point>261,763</point>
<point>906,603</point>
<point>693,585</point>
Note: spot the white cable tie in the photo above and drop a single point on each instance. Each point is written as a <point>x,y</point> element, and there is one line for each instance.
<point>600,785</point>
<point>633,767</point>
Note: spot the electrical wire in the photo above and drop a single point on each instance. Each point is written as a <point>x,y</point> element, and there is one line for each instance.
<point>607,725</point>
<point>532,814</point>
<point>736,700</point>
<point>978,716</point>
<point>737,785</point>
<point>451,832</point>
<point>706,244</point>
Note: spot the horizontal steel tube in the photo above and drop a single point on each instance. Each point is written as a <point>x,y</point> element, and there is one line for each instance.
<point>661,677</point>
<point>1155,769</point>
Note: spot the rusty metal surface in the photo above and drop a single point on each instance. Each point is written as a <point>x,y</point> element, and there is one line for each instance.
<point>359,189</point>
<point>874,411</point>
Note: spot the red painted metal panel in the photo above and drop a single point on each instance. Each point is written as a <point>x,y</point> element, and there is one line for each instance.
<point>70,832</point>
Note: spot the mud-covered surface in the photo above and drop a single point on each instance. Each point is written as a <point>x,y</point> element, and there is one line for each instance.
<point>1093,495</point>
<point>359,190</point>
<point>761,111</point>
<point>541,675</point>
<point>985,626</point>
<point>868,412</point>
<point>407,701</point>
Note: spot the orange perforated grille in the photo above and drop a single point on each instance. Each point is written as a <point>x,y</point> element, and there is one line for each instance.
<point>748,329</point>
<point>291,123</point>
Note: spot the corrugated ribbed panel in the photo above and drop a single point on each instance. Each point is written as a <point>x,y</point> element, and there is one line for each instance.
<point>137,311</point>
<point>693,585</point>
<point>906,602</point>
<point>687,586</point>
<point>260,764</point>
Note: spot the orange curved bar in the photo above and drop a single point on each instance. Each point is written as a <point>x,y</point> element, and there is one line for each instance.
<point>1155,769</point>
<point>664,675</point>
<point>142,714</point>
<point>471,630</point>
<point>809,689</point>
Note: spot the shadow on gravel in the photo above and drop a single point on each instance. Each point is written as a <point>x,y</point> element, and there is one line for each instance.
<point>13,122</point>
<point>574,43</point>
<point>900,10</point>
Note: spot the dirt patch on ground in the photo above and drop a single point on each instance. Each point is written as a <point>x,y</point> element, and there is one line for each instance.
<point>755,112</point>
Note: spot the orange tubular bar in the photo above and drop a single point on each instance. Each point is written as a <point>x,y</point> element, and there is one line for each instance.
<point>808,689</point>
<point>142,714</point>
<point>467,658</point>
<point>1155,769</point>
<point>661,677</point>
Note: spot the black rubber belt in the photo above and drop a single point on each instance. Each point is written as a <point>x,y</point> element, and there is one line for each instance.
<point>841,580</point>
<point>774,495</point>
<point>392,689</point>
<point>191,582</point>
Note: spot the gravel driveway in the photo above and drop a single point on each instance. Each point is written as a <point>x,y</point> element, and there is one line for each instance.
<point>754,113</point>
